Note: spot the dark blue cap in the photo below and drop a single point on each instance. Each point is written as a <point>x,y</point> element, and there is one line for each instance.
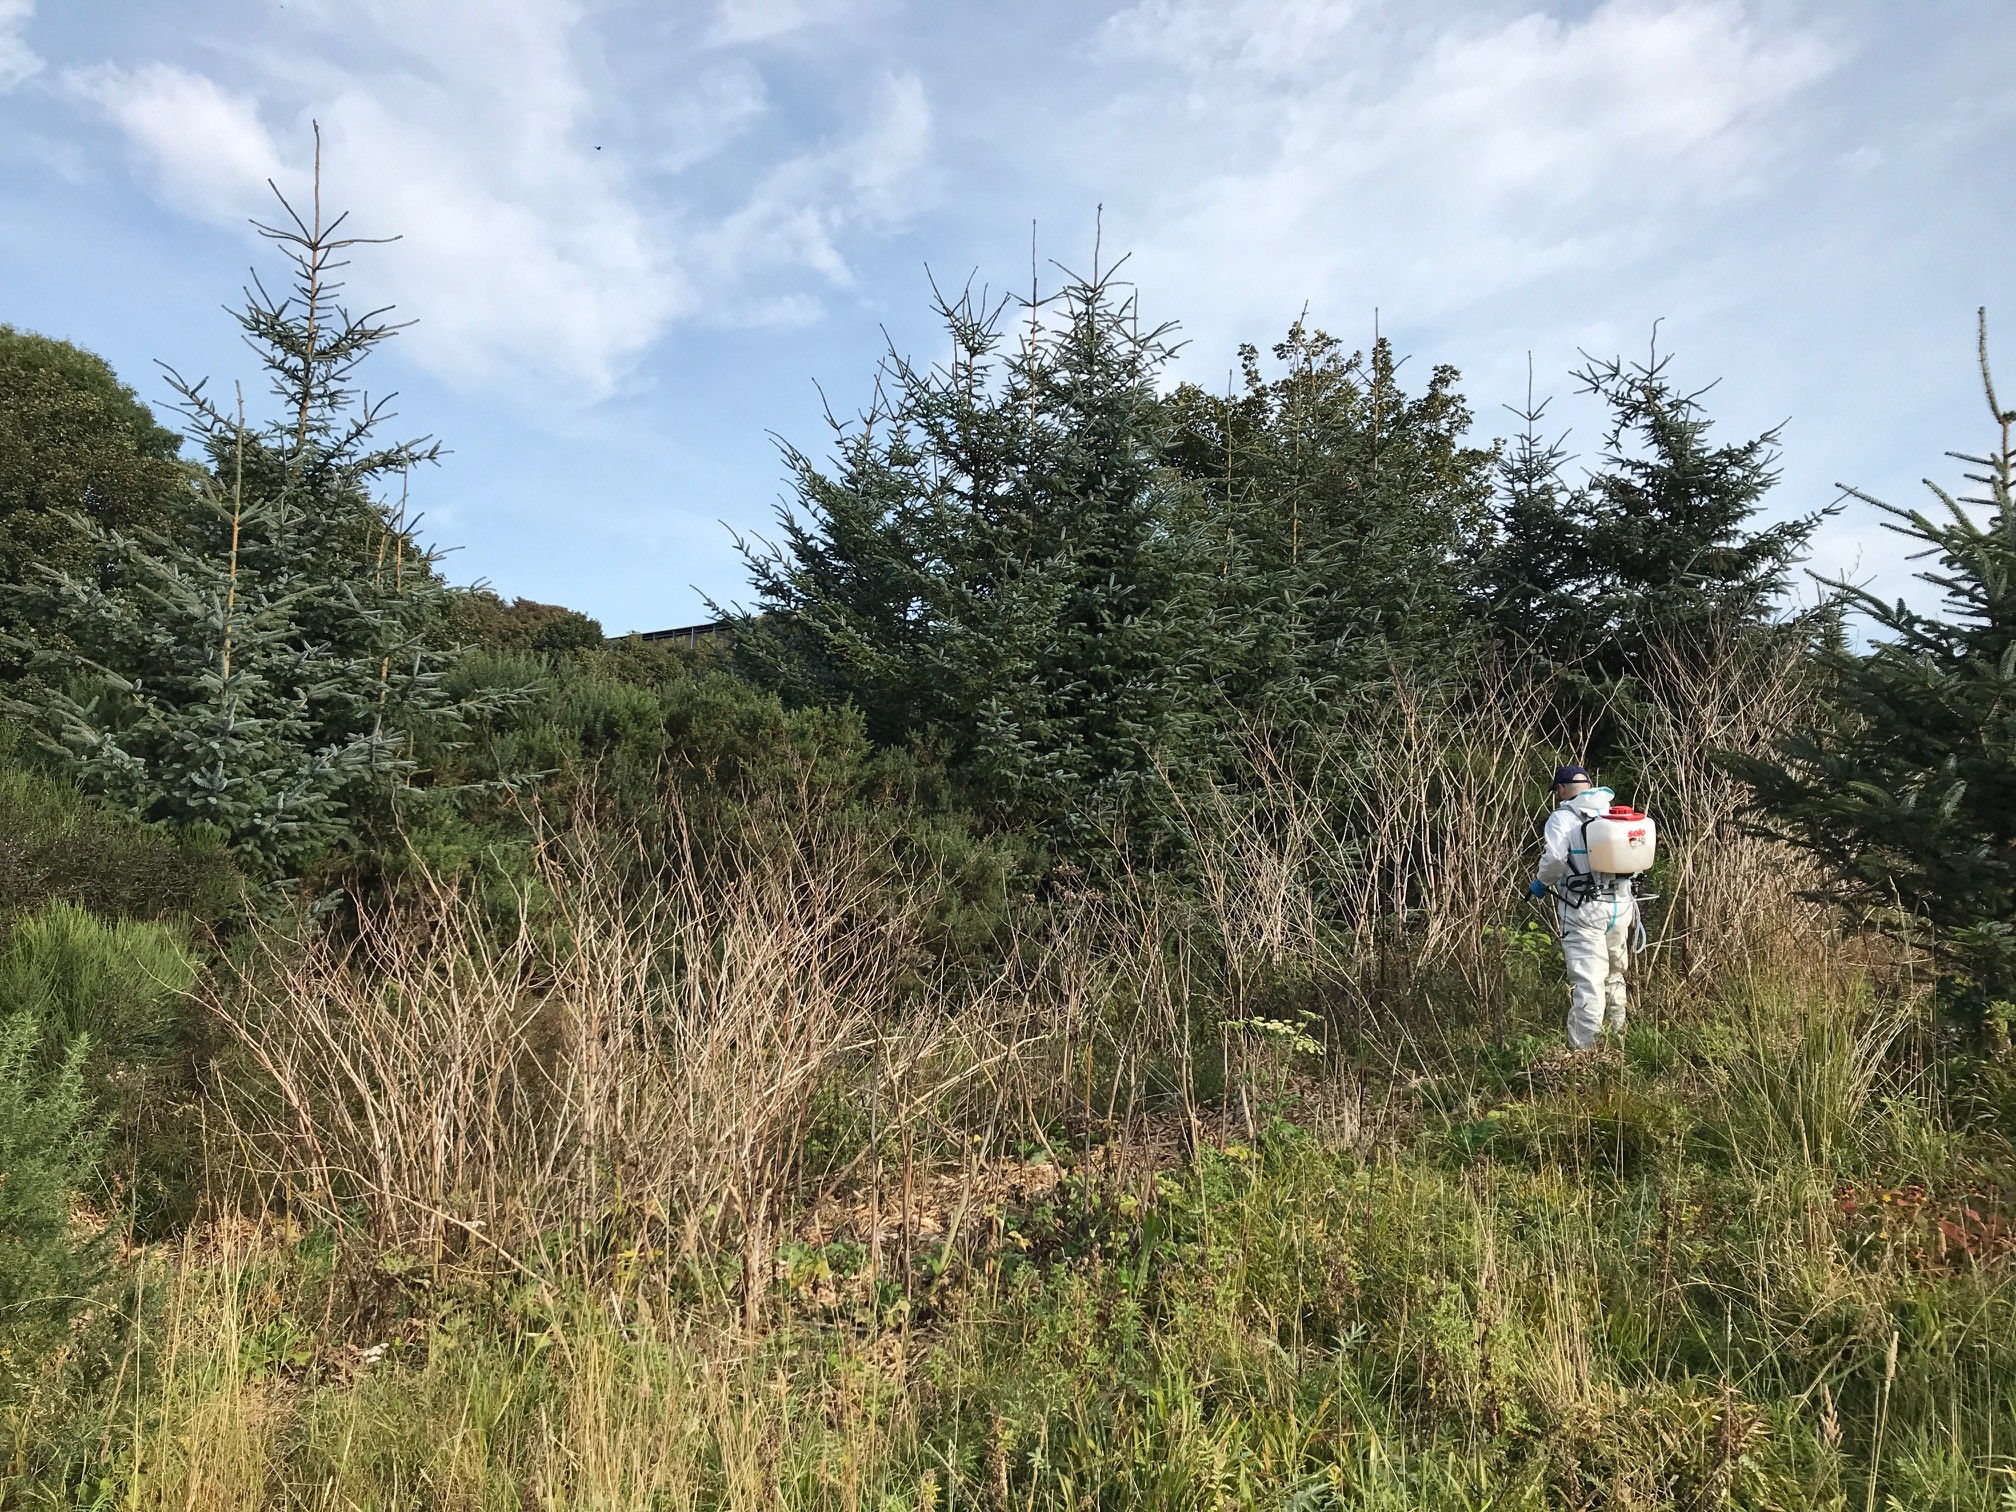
<point>1567,774</point>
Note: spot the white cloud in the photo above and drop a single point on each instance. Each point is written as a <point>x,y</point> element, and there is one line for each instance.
<point>205,146</point>
<point>1256,36</point>
<point>532,251</point>
<point>740,22</point>
<point>536,265</point>
<point>698,122</point>
<point>1476,163</point>
<point>520,251</point>
<point>799,213</point>
<point>17,58</point>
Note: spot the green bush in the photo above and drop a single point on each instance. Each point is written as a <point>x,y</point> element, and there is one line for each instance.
<point>477,617</point>
<point>669,757</point>
<point>50,1140</point>
<point>106,998</point>
<point>56,843</point>
<point>76,446</point>
<point>111,984</point>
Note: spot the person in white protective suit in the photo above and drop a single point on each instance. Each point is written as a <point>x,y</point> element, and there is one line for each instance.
<point>1597,911</point>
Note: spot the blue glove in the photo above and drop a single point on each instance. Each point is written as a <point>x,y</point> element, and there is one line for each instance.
<point>1536,889</point>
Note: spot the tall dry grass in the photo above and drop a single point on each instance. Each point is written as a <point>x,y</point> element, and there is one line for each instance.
<point>705,1057</point>
<point>1384,852</point>
<point>1732,894</point>
<point>1384,859</point>
<point>462,1085</point>
<point>757,1033</point>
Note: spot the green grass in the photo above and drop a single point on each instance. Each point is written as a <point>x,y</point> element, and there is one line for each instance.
<point>1732,1267</point>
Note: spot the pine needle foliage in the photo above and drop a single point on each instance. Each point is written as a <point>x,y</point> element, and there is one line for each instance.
<point>1537,566</point>
<point>259,664</point>
<point>1657,554</point>
<point>1001,567</point>
<point>1339,509</point>
<point>1906,790</point>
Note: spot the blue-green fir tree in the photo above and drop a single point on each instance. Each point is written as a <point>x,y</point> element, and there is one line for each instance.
<point>259,663</point>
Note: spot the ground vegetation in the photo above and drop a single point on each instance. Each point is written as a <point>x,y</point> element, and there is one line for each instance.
<point>1043,1013</point>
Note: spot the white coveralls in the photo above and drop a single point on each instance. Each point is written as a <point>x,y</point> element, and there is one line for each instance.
<point>1595,938</point>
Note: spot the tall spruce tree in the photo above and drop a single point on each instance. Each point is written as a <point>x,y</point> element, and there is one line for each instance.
<point>1906,788</point>
<point>1672,549</point>
<point>1652,566</point>
<point>1536,578</point>
<point>258,662</point>
<point>1001,566</point>
<point>1339,510</point>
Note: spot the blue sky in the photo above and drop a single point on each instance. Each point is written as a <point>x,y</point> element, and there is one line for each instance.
<point>635,235</point>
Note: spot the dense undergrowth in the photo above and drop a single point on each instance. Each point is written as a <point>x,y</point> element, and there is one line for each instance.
<point>1047,1020</point>
<point>720,1121</point>
<point>723,1185</point>
<point>1752,1260</point>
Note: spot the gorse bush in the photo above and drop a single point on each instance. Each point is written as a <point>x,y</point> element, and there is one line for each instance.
<point>112,1000</point>
<point>115,986</point>
<point>57,844</point>
<point>98,915</point>
<point>669,756</point>
<point>50,1262</point>
<point>478,618</point>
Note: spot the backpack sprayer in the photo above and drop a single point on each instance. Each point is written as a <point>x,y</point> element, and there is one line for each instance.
<point>1616,844</point>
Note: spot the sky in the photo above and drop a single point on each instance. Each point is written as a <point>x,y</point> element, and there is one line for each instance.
<point>643,242</point>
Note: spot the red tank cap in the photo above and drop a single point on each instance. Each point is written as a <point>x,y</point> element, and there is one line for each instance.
<point>1623,811</point>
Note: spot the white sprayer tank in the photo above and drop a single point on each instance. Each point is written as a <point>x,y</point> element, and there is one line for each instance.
<point>1621,842</point>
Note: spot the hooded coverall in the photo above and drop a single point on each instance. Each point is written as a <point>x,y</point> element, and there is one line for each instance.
<point>1595,938</point>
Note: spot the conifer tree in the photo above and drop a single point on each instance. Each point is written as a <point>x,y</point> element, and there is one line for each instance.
<point>1670,548</point>
<point>1537,567</point>
<point>1000,566</point>
<point>259,662</point>
<point>1649,570</point>
<point>1340,508</point>
<point>1906,790</point>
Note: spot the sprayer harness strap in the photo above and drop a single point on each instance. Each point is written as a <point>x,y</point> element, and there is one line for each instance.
<point>1582,885</point>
